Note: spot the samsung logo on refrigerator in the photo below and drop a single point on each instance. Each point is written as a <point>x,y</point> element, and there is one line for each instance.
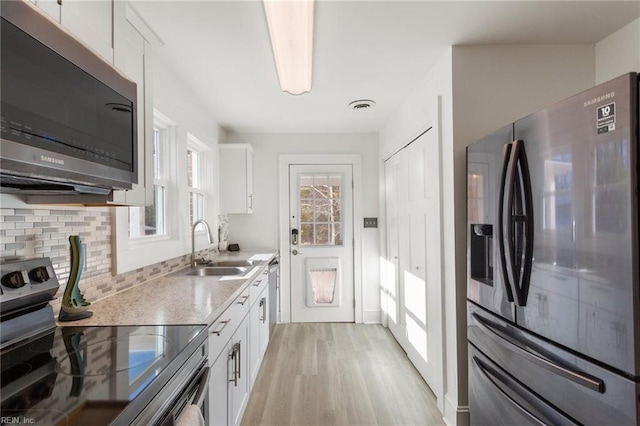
<point>52,160</point>
<point>600,99</point>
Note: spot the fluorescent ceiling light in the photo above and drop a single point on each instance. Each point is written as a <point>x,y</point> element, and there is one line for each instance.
<point>291,31</point>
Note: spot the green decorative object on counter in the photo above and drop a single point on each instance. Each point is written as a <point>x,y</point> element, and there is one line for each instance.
<point>74,305</point>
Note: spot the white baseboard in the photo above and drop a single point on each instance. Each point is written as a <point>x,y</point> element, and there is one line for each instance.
<point>455,415</point>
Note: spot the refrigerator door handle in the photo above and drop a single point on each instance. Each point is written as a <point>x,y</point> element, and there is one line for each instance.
<point>500,228</point>
<point>583,379</point>
<point>517,215</point>
<point>491,378</point>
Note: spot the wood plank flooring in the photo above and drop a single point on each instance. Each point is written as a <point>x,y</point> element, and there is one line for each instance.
<point>338,374</point>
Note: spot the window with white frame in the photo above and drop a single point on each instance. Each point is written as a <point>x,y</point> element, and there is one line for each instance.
<point>151,220</point>
<point>178,170</point>
<point>195,181</point>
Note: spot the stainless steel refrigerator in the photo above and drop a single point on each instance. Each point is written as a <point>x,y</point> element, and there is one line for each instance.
<point>552,245</point>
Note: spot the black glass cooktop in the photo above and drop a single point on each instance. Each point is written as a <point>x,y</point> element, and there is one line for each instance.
<point>89,375</point>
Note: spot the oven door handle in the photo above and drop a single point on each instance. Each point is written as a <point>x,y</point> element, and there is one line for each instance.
<point>198,399</point>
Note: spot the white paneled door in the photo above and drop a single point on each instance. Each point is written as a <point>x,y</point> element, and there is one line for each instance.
<point>321,243</point>
<point>412,274</point>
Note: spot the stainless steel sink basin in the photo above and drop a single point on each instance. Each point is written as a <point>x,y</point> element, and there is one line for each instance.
<point>218,263</point>
<point>218,270</point>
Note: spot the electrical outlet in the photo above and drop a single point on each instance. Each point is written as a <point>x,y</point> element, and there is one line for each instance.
<point>370,222</point>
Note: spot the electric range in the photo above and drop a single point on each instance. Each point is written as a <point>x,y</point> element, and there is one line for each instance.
<point>86,375</point>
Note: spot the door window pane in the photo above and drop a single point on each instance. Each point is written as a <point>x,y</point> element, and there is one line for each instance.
<point>306,234</point>
<point>320,209</point>
<point>322,234</point>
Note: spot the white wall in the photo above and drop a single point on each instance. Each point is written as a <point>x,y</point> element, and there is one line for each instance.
<point>619,53</point>
<point>495,85</point>
<point>260,229</point>
<point>418,111</point>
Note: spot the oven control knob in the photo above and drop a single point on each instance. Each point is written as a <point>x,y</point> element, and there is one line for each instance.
<point>15,279</point>
<point>40,274</point>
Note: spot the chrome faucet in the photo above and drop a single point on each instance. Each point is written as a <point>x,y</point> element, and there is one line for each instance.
<point>193,239</point>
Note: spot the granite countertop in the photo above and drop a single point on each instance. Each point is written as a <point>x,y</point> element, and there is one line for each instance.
<point>176,298</point>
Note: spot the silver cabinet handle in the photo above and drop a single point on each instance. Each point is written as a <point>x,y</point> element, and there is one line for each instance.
<point>263,305</point>
<point>257,283</point>
<point>243,301</point>
<point>224,324</point>
<point>234,355</point>
<point>239,359</point>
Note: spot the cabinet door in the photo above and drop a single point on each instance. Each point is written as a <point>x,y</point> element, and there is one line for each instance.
<point>91,21</point>
<point>218,389</point>
<point>239,387</point>
<point>236,178</point>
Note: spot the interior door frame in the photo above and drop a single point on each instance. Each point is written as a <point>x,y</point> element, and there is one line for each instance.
<point>285,160</point>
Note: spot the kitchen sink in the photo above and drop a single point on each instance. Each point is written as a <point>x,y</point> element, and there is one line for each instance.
<point>219,270</point>
<point>237,263</point>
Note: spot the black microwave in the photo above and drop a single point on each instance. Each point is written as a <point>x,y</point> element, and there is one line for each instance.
<point>68,117</point>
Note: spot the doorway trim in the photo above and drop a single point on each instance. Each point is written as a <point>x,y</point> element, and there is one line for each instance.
<point>285,160</point>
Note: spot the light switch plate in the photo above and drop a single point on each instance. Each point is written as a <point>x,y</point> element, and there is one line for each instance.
<point>370,222</point>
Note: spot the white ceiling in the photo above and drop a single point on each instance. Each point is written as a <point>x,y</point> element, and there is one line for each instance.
<point>362,50</point>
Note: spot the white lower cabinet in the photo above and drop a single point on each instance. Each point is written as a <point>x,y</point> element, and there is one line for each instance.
<point>237,342</point>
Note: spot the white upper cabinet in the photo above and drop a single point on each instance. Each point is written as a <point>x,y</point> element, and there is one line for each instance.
<point>236,178</point>
<point>91,21</point>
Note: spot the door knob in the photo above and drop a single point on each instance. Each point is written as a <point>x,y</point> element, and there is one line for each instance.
<point>294,252</point>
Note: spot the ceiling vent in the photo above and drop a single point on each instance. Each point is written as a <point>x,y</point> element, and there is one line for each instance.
<point>362,104</point>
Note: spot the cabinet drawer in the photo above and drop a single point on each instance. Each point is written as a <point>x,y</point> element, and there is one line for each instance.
<point>258,285</point>
<point>223,328</point>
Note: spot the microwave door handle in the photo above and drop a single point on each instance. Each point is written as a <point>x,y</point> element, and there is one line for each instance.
<point>500,231</point>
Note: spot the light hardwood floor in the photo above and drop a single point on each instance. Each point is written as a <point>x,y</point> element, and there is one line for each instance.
<point>338,374</point>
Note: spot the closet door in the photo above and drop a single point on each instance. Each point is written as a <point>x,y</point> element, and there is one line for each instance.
<point>413,271</point>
